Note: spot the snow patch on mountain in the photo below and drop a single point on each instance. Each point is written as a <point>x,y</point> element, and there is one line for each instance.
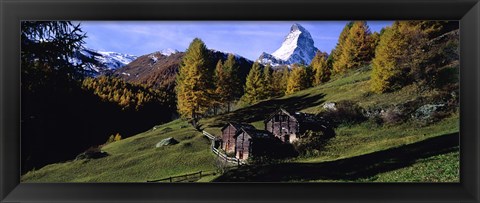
<point>97,62</point>
<point>153,57</point>
<point>168,51</point>
<point>114,60</point>
<point>298,47</point>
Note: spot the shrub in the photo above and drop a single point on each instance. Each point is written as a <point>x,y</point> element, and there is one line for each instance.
<point>221,166</point>
<point>117,137</point>
<point>187,144</point>
<point>392,115</point>
<point>374,122</point>
<point>94,152</point>
<point>310,143</point>
<point>113,138</point>
<point>110,139</point>
<point>345,112</point>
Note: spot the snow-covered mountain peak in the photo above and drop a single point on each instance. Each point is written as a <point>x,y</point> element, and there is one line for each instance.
<point>297,47</point>
<point>297,27</point>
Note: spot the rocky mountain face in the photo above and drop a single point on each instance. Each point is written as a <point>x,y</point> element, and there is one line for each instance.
<point>159,69</point>
<point>156,70</point>
<point>298,47</point>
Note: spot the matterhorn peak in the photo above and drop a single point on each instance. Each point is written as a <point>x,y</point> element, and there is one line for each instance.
<point>297,47</point>
<point>297,27</point>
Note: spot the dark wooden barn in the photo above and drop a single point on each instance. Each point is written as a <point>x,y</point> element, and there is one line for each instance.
<point>228,135</point>
<point>288,126</point>
<point>252,142</point>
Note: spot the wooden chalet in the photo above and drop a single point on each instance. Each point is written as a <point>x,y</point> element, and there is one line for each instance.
<point>288,126</point>
<point>250,142</point>
<point>228,135</point>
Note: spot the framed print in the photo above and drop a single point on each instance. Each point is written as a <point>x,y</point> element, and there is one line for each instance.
<point>239,101</point>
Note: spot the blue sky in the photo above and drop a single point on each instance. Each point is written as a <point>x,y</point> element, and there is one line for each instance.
<point>245,38</point>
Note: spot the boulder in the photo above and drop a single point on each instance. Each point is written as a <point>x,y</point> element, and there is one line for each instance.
<point>330,106</point>
<point>426,111</point>
<point>166,141</point>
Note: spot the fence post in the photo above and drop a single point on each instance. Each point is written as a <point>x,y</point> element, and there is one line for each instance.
<point>200,174</point>
<point>170,178</point>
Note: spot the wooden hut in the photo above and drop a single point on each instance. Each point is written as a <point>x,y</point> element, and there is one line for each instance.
<point>250,142</point>
<point>288,126</point>
<point>228,135</point>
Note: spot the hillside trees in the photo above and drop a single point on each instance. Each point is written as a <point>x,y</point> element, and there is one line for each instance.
<point>337,51</point>
<point>267,85</point>
<point>414,52</point>
<point>253,85</point>
<point>320,69</point>
<point>399,49</point>
<point>297,80</point>
<point>192,84</point>
<point>228,86</point>
<point>357,49</point>
<point>279,81</point>
<point>221,81</point>
<point>233,86</point>
<point>126,95</point>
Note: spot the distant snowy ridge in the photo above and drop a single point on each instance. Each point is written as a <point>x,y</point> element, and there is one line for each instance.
<point>297,47</point>
<point>104,60</point>
<point>168,51</point>
<point>114,60</point>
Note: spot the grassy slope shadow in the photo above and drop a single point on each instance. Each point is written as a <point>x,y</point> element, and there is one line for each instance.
<point>353,168</point>
<point>259,111</point>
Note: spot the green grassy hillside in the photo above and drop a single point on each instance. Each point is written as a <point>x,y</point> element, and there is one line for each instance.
<point>136,159</point>
<point>367,151</point>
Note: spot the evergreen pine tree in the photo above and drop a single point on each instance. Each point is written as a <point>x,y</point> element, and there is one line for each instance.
<point>310,75</point>
<point>279,83</point>
<point>233,85</point>
<point>337,51</point>
<point>221,83</point>
<point>267,85</point>
<point>284,81</point>
<point>320,68</point>
<point>51,45</point>
<point>357,49</point>
<point>298,80</point>
<point>398,53</point>
<point>253,85</point>
<point>192,84</point>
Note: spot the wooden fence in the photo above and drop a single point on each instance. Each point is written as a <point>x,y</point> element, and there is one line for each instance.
<point>219,153</point>
<point>210,136</point>
<point>192,177</point>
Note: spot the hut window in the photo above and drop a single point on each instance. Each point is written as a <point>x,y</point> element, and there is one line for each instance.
<point>277,118</point>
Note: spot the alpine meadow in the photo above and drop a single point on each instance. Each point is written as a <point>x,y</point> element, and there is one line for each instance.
<point>240,101</point>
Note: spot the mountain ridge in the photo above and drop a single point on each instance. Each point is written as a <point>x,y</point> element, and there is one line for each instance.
<point>101,61</point>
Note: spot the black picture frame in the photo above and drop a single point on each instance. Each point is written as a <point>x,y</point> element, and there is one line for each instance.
<point>13,11</point>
